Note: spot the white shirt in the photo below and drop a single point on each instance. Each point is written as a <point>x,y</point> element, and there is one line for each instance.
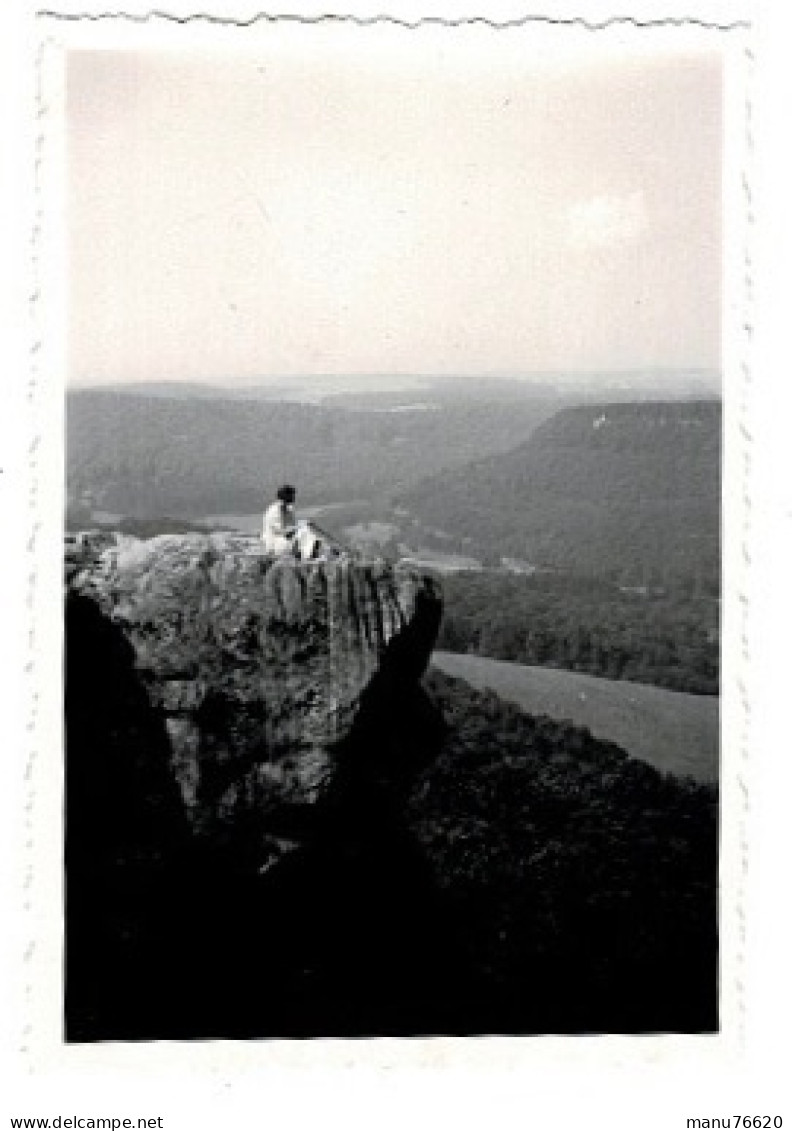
<point>280,520</point>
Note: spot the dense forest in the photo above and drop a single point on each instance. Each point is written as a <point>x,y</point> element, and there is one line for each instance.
<point>556,620</point>
<point>144,456</point>
<point>628,492</point>
<point>585,880</point>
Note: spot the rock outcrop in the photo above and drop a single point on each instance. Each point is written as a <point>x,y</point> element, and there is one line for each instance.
<point>271,830</point>
<point>263,673</point>
<point>240,734</point>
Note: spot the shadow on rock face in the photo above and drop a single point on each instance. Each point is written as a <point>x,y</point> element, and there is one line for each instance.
<point>126,836</point>
<point>171,935</point>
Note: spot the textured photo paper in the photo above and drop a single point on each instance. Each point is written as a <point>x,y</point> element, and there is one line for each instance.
<point>476,289</point>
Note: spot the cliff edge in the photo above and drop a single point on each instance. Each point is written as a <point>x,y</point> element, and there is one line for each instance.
<point>226,713</point>
<point>263,673</point>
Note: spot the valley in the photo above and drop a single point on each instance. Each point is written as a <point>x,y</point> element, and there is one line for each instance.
<point>571,533</point>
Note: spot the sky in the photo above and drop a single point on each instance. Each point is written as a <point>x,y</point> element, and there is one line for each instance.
<point>430,208</point>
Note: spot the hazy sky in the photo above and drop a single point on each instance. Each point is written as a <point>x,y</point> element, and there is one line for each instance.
<point>424,210</point>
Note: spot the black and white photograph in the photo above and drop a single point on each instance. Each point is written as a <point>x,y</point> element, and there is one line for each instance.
<point>393,537</point>
<point>395,615</point>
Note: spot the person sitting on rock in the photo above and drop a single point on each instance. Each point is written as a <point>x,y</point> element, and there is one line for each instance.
<point>280,524</point>
<point>284,535</point>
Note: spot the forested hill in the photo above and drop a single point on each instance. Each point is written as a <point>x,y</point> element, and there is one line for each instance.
<point>147,456</point>
<point>626,491</point>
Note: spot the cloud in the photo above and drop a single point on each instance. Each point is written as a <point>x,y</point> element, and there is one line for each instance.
<point>606,221</point>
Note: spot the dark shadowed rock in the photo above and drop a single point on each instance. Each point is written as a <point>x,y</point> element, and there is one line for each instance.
<point>240,735</point>
<point>259,670</point>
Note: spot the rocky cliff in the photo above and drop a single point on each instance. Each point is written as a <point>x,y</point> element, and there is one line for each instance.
<point>272,830</point>
<point>225,712</point>
<point>262,673</point>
